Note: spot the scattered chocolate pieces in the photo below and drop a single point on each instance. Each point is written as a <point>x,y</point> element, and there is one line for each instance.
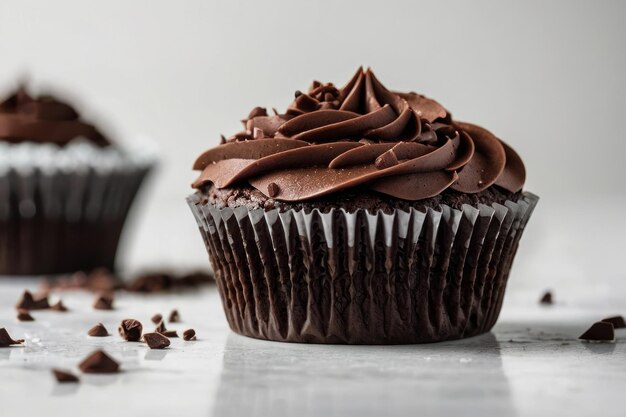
<point>174,317</point>
<point>156,340</point>
<point>98,331</point>
<point>59,306</point>
<point>24,315</point>
<point>6,340</point>
<point>64,376</point>
<point>617,321</point>
<point>546,299</point>
<point>157,318</point>
<point>30,302</point>
<point>98,280</point>
<point>273,189</point>
<point>103,302</point>
<point>189,334</point>
<point>99,362</point>
<point>599,332</point>
<point>130,330</point>
<point>163,281</point>
<point>160,327</point>
<point>169,333</point>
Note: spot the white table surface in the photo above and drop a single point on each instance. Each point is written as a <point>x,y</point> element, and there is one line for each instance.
<point>530,364</point>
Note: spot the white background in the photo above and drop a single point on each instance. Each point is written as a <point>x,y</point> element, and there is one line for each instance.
<point>547,77</point>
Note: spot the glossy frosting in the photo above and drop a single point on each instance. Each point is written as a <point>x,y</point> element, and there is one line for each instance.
<point>361,135</point>
<point>43,120</point>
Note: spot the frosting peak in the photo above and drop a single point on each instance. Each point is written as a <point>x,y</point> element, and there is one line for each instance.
<point>43,119</point>
<point>329,139</point>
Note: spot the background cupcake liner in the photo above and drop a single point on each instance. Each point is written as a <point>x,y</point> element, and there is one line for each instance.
<point>62,209</point>
<point>362,277</point>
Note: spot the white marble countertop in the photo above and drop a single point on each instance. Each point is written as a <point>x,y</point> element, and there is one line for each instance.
<point>531,364</point>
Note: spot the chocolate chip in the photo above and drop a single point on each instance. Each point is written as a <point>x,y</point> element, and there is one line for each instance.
<point>386,160</point>
<point>160,327</point>
<point>6,340</point>
<point>617,321</point>
<point>256,112</point>
<point>30,302</point>
<point>546,298</point>
<point>98,331</point>
<point>130,330</point>
<point>64,376</point>
<point>59,306</point>
<point>156,340</point>
<point>170,333</point>
<point>103,302</point>
<point>297,94</point>
<point>157,318</point>
<point>99,362</point>
<point>189,334</point>
<point>174,317</point>
<point>222,139</point>
<point>273,189</point>
<point>24,315</point>
<point>599,332</point>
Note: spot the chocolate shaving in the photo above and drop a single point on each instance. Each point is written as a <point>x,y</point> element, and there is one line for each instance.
<point>546,299</point>
<point>189,334</point>
<point>64,376</point>
<point>6,340</point>
<point>59,306</point>
<point>30,302</point>
<point>617,321</point>
<point>169,333</point>
<point>98,331</point>
<point>599,332</point>
<point>130,330</point>
<point>103,302</point>
<point>99,362</point>
<point>156,340</point>
<point>157,318</point>
<point>24,315</point>
<point>174,317</point>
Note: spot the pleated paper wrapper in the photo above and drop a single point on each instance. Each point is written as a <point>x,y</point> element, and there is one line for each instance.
<point>362,277</point>
<point>62,209</point>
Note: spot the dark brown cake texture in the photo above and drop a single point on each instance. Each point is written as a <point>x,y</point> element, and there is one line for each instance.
<point>361,216</point>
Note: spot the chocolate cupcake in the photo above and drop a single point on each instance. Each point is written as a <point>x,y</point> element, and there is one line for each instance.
<point>361,216</point>
<point>65,190</point>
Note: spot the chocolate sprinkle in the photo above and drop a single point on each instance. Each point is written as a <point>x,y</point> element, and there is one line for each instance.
<point>617,321</point>
<point>24,315</point>
<point>170,333</point>
<point>189,334</point>
<point>64,376</point>
<point>157,318</point>
<point>30,302</point>
<point>99,362</point>
<point>546,299</point>
<point>156,340</point>
<point>103,302</point>
<point>174,317</point>
<point>599,332</point>
<point>6,340</point>
<point>98,331</point>
<point>59,306</point>
<point>130,330</point>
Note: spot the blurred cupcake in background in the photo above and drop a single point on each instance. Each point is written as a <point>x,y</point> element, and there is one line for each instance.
<point>65,188</point>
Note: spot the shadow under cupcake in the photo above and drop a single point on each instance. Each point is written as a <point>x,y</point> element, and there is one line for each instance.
<point>65,189</point>
<point>361,216</point>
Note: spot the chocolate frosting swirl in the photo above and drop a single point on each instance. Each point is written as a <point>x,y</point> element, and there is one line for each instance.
<point>330,139</point>
<point>43,119</point>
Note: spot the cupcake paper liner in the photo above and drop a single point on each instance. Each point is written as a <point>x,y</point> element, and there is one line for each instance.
<point>362,277</point>
<point>63,209</point>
